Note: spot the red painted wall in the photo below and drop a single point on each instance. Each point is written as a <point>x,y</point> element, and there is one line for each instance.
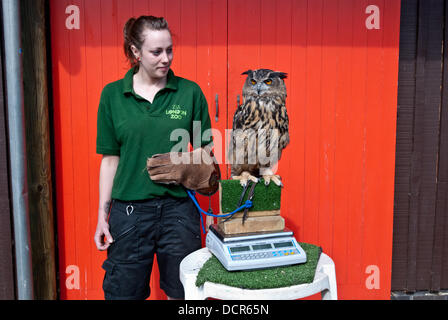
<point>338,170</point>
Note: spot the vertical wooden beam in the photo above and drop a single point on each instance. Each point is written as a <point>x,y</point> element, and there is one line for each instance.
<point>404,144</point>
<point>38,148</point>
<point>439,272</point>
<point>426,141</point>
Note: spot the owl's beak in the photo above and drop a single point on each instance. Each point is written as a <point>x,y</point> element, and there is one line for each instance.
<point>258,87</point>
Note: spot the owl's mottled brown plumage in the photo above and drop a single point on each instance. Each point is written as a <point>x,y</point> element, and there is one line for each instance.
<point>255,123</point>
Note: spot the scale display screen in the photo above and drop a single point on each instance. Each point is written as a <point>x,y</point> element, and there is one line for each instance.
<point>283,244</point>
<point>239,249</point>
<point>261,246</point>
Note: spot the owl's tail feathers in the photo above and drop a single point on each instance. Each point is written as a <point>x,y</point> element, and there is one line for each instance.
<point>244,177</point>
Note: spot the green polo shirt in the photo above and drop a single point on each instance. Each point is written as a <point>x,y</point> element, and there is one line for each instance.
<point>131,127</point>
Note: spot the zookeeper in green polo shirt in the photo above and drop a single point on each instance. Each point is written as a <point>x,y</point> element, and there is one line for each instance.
<point>145,122</point>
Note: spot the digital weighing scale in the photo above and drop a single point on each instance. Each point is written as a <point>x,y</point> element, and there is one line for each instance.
<point>254,250</point>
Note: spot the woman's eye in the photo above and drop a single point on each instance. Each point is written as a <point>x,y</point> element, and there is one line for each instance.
<point>156,53</point>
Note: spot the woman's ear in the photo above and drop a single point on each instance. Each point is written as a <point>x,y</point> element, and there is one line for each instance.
<point>135,51</point>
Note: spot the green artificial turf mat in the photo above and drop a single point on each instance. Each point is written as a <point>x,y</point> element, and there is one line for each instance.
<point>265,198</point>
<point>278,277</point>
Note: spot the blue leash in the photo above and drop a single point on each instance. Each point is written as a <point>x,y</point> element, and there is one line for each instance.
<point>191,193</point>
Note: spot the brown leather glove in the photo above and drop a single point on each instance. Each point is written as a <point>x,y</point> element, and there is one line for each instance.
<point>196,170</point>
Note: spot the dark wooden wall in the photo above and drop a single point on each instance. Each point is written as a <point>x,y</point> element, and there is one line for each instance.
<point>6,258</point>
<point>420,241</point>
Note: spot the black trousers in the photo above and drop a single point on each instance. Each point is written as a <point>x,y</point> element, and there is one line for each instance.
<point>166,227</point>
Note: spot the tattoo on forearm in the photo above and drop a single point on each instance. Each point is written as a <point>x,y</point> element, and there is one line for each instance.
<point>107,206</point>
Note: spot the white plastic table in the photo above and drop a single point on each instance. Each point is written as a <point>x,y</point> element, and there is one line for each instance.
<point>324,281</point>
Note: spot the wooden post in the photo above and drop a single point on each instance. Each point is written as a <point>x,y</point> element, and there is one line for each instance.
<point>38,148</point>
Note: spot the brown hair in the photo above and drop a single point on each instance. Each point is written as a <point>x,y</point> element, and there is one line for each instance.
<point>133,34</point>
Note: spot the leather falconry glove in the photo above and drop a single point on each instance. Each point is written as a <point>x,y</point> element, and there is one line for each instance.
<point>196,170</point>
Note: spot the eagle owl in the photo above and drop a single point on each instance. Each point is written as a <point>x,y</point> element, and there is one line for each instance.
<point>260,127</point>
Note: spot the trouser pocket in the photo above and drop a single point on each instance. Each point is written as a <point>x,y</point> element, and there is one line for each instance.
<point>123,226</point>
<point>186,225</point>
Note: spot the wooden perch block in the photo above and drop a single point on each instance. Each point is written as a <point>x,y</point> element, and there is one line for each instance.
<point>264,215</point>
<point>252,224</point>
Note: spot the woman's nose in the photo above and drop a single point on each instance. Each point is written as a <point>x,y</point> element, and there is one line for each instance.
<point>165,57</point>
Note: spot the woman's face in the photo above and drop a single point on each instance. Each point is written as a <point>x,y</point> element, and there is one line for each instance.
<point>156,54</point>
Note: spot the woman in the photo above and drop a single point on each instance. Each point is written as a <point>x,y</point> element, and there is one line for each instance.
<point>138,217</point>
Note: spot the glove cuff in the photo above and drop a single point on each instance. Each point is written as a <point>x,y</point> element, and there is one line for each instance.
<point>213,183</point>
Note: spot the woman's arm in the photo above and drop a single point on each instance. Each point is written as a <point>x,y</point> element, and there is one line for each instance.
<point>108,169</point>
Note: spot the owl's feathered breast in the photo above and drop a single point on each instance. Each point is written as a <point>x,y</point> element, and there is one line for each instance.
<point>266,113</point>
<point>256,122</point>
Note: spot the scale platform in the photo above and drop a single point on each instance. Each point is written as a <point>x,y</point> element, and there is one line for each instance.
<point>258,250</point>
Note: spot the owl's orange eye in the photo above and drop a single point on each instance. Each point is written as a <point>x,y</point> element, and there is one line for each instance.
<point>268,82</point>
<point>253,81</point>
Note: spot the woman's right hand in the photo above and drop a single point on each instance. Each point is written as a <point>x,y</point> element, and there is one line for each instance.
<point>103,238</point>
<point>108,167</point>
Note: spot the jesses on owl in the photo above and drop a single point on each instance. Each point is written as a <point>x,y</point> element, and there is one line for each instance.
<point>260,128</point>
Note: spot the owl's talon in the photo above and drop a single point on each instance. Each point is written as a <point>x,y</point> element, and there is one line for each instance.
<point>275,178</point>
<point>267,181</point>
<point>244,177</point>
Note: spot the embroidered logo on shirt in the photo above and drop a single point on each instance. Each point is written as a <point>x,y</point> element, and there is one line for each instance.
<point>176,112</point>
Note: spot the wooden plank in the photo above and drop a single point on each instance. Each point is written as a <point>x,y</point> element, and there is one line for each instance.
<point>254,214</point>
<point>79,139</point>
<point>140,8</point>
<point>404,141</point>
<point>94,85</point>
<point>343,142</point>
<point>123,13</point>
<point>252,224</point>
<point>423,176</point>
<point>188,40</point>
<point>219,83</point>
<point>439,268</point>
<point>38,149</point>
<point>327,130</point>
<point>312,119</point>
<point>283,16</point>
<point>356,117</point>
<point>379,133</point>
<point>157,8</point>
<point>416,157</point>
<point>391,26</point>
<point>295,155</point>
<point>62,141</point>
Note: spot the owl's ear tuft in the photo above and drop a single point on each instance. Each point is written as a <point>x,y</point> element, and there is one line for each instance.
<point>248,72</point>
<point>281,75</point>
